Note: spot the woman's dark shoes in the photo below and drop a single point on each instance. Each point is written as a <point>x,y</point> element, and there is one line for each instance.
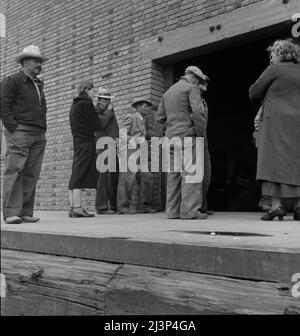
<point>87,213</point>
<point>270,215</point>
<point>297,214</point>
<point>79,213</point>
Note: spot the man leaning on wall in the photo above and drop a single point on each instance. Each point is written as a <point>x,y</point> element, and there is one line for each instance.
<point>23,114</point>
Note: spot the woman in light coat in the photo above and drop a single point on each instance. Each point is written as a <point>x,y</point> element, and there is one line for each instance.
<point>278,165</point>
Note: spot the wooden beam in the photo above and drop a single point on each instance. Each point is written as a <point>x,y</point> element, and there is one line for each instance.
<point>275,264</point>
<point>72,286</point>
<point>237,22</point>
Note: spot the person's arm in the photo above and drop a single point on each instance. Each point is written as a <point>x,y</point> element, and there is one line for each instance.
<point>8,93</point>
<point>198,114</point>
<point>88,110</point>
<point>127,124</point>
<point>258,90</point>
<point>161,118</point>
<point>105,117</point>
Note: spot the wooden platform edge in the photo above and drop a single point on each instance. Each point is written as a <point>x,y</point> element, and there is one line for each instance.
<point>240,263</point>
<point>40,284</point>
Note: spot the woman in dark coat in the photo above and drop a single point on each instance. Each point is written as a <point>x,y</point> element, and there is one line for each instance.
<point>84,122</point>
<point>278,165</point>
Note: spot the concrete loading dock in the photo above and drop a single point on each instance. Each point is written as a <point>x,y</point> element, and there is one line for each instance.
<point>115,265</point>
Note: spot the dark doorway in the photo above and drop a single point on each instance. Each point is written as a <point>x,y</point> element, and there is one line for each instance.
<point>230,126</point>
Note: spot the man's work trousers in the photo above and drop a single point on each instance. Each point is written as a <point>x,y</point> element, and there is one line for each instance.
<point>107,187</point>
<point>184,197</point>
<point>24,156</point>
<point>207,174</point>
<point>125,189</point>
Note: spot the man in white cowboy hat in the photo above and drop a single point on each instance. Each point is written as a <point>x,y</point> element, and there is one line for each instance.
<point>24,118</point>
<point>135,125</point>
<point>107,182</point>
<point>180,115</point>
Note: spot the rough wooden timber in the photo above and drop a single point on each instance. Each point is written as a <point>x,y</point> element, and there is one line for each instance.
<point>72,286</point>
<point>267,251</point>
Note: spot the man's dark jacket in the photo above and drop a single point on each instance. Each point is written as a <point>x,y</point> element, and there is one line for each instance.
<point>109,122</point>
<point>20,102</point>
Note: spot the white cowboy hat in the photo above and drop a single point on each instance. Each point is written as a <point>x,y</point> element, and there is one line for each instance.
<point>30,51</point>
<point>104,93</point>
<point>196,71</point>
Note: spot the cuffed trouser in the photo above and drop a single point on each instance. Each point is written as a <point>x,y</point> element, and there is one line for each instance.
<point>207,175</point>
<point>125,188</point>
<point>184,198</point>
<point>24,156</point>
<point>107,186</point>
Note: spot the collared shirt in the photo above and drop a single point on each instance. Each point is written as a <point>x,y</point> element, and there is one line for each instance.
<point>35,82</point>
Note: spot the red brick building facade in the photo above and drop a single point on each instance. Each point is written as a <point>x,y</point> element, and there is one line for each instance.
<point>133,46</point>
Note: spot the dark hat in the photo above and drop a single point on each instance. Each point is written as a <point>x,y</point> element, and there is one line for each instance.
<point>140,100</point>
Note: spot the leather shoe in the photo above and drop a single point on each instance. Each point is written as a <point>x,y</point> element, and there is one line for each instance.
<point>146,210</point>
<point>199,216</point>
<point>81,213</point>
<point>206,211</point>
<point>297,214</point>
<point>13,220</point>
<point>29,219</point>
<point>105,212</point>
<point>270,215</point>
<point>127,211</point>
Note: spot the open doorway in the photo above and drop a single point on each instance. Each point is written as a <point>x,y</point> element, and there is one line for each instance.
<point>230,127</point>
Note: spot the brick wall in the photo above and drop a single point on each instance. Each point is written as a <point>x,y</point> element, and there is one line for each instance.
<point>94,39</point>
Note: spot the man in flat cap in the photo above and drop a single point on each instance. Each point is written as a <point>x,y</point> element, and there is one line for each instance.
<point>107,182</point>
<point>135,126</point>
<point>23,114</point>
<point>180,114</point>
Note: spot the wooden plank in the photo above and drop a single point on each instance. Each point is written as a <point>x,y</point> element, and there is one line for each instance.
<point>262,264</point>
<point>140,290</point>
<point>240,21</point>
<point>71,286</point>
<point>67,286</point>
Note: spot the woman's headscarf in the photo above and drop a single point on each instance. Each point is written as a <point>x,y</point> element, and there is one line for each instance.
<point>83,87</point>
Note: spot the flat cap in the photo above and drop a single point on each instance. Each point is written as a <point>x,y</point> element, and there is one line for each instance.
<point>196,71</point>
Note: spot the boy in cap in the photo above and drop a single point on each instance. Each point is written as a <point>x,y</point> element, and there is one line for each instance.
<point>23,113</point>
<point>135,126</point>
